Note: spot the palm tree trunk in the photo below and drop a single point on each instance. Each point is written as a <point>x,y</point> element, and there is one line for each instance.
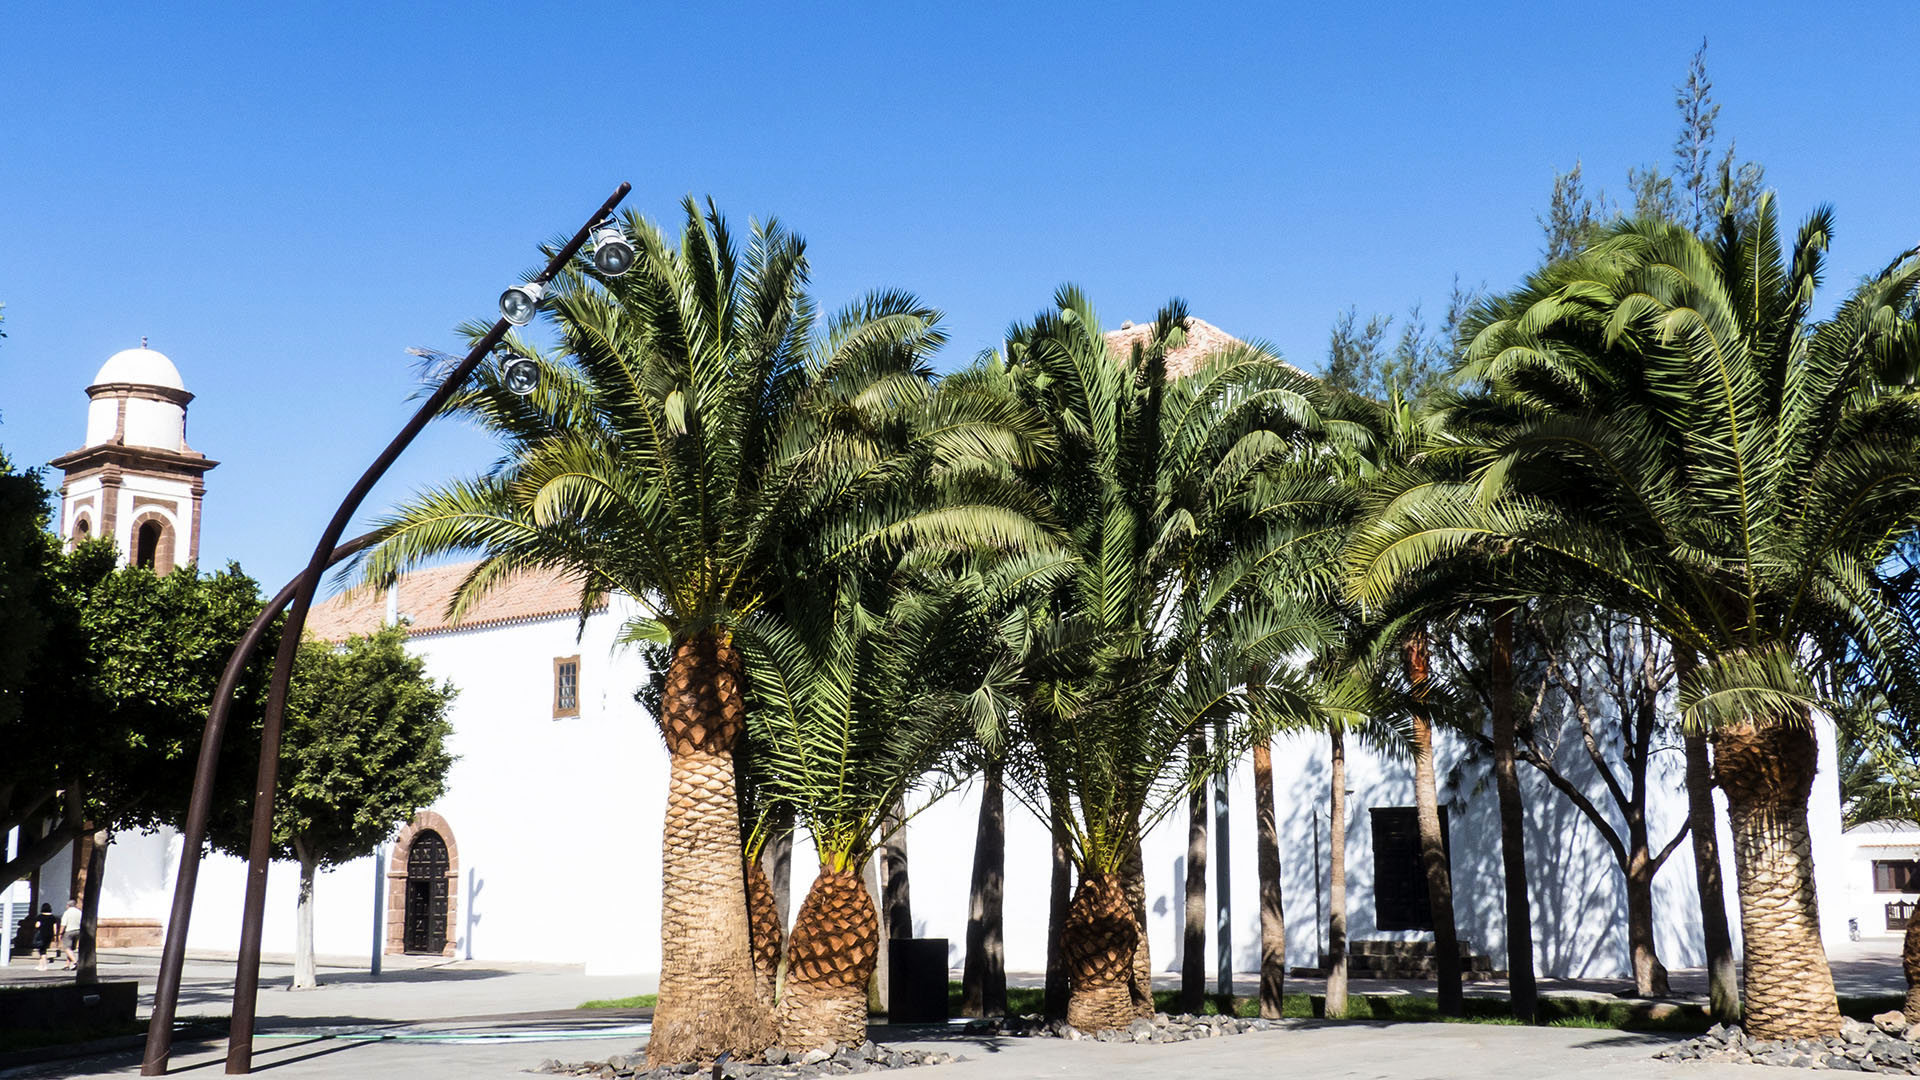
<point>1273,914</point>
<point>1133,879</point>
<point>1521,989</point>
<point>1910,963</point>
<point>833,953</point>
<point>304,975</point>
<point>1767,773</point>
<point>983,981</point>
<point>708,1001</point>
<point>1723,985</point>
<point>1337,878</point>
<point>1193,939</point>
<point>1433,851</point>
<point>1099,942</point>
<point>1059,903</point>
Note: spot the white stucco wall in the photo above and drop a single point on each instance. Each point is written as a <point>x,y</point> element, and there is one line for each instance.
<point>552,816</point>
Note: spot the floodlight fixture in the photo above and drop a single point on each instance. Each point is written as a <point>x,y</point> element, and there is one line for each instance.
<point>519,374</point>
<point>612,251</point>
<point>518,304</point>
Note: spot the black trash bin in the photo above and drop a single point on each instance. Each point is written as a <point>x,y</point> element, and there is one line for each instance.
<point>917,981</point>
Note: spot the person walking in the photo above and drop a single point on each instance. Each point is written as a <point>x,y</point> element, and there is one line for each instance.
<point>43,928</point>
<point>70,933</point>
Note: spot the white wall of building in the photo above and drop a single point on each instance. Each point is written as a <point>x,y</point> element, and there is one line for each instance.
<point>557,829</point>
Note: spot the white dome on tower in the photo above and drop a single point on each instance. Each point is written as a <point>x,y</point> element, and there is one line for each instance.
<point>141,367</point>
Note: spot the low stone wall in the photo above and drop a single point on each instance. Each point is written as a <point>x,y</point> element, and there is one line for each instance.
<point>129,934</point>
<point>67,1005</point>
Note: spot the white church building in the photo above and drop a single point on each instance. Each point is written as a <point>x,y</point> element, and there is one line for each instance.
<point>556,800</point>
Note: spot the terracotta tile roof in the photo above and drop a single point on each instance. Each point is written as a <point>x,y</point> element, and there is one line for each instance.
<point>424,595</point>
<point>1203,340</point>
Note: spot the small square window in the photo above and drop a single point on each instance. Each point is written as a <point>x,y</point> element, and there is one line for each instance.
<point>566,686</point>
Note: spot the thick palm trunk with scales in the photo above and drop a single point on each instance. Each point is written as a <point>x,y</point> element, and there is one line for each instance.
<point>1767,773</point>
<point>708,1002</point>
<point>835,946</point>
<point>1099,939</point>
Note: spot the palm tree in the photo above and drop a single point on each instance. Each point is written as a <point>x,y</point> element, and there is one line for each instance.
<point>1161,630</point>
<point>697,440</point>
<point>860,697</point>
<point>1661,426</point>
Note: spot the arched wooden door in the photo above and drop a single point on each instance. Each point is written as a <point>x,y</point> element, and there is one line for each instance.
<point>426,917</point>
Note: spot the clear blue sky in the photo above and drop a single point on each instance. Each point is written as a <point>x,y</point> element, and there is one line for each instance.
<point>284,198</point>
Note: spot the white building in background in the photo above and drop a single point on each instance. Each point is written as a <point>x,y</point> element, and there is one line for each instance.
<point>1881,876</point>
<point>552,816</point>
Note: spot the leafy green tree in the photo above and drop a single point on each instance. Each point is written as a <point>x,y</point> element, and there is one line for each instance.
<point>29,771</point>
<point>698,440</point>
<point>1694,192</point>
<point>1664,428</point>
<point>1361,361</point>
<point>364,750</point>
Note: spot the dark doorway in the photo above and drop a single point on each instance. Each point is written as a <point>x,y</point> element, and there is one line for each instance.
<point>426,918</point>
<point>1399,880</point>
<point>147,545</point>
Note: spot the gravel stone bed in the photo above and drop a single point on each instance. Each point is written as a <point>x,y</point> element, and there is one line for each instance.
<point>1888,1045</point>
<point>1162,1028</point>
<point>775,1064</point>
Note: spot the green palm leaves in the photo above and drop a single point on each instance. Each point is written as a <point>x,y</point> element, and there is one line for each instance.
<point>699,437</point>
<point>1164,623</point>
<point>1664,417</point>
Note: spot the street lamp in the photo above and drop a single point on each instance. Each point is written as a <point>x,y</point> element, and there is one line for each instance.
<point>297,598</point>
<point>519,303</point>
<point>612,251</point>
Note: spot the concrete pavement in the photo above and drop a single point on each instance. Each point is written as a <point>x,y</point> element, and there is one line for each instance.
<point>432,1019</point>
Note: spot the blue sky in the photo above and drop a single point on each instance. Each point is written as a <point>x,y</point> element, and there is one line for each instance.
<point>285,198</point>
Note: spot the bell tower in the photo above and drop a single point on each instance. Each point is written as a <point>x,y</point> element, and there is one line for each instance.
<point>136,481</point>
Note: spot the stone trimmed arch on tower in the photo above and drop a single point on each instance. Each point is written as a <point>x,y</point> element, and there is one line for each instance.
<point>153,528</point>
<point>397,874</point>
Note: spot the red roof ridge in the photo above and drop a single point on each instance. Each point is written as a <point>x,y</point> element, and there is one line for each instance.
<point>423,596</point>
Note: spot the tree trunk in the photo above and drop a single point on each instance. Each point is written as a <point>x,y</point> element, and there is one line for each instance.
<point>1193,937</point>
<point>708,1002</point>
<point>767,931</point>
<point>776,861</point>
<point>1059,903</point>
<point>878,989</point>
<point>1767,773</point>
<point>1099,942</point>
<point>1337,878</point>
<point>1433,852</point>
<point>1910,962</point>
<point>1723,985</point>
<point>983,980</point>
<point>96,869</point>
<point>1521,989</point>
<point>830,959</point>
<point>304,976</point>
<point>1649,974</point>
<point>1133,879</point>
<point>1273,915</point>
<point>896,893</point>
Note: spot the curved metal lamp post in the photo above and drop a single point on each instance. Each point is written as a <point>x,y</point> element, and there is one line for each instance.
<point>298,597</point>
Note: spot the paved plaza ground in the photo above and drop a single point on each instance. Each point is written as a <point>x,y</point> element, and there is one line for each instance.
<point>452,1019</point>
